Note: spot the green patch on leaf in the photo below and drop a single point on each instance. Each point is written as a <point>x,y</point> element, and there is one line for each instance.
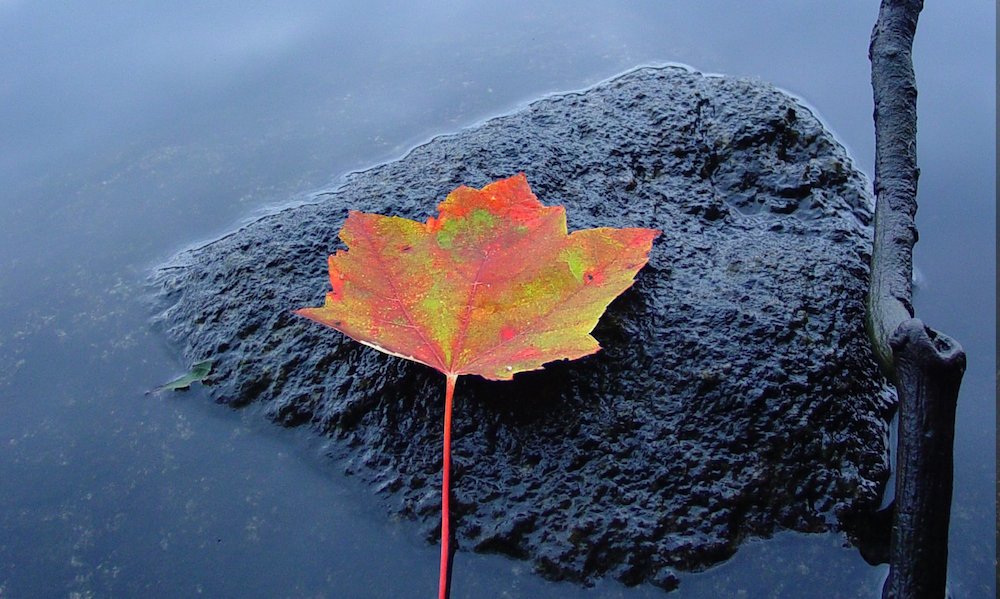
<point>573,257</point>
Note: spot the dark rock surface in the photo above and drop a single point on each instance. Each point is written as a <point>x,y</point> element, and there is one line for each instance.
<point>736,394</point>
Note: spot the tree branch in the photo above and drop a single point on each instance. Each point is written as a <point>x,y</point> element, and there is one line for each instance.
<point>926,366</point>
<point>896,172</point>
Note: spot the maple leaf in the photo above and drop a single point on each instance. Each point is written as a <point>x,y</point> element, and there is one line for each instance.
<point>493,286</point>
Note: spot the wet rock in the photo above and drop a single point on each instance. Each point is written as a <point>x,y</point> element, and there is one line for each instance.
<point>735,396</point>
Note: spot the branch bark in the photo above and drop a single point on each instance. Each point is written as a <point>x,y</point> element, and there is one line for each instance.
<point>929,368</point>
<point>896,173</point>
<point>926,366</point>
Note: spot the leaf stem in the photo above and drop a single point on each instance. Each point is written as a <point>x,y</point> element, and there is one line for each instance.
<point>444,582</point>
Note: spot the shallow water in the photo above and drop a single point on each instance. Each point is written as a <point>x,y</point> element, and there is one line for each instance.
<point>129,132</point>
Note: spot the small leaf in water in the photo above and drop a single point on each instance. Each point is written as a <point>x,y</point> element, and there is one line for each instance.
<point>197,374</point>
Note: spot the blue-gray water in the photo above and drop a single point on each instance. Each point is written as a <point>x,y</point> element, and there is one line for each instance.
<point>129,131</point>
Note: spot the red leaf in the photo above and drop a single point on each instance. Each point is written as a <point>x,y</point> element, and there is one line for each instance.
<point>493,286</point>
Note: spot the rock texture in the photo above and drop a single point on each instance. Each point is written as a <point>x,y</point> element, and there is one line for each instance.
<point>736,393</point>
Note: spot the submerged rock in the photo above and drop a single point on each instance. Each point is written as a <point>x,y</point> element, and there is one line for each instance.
<point>736,394</point>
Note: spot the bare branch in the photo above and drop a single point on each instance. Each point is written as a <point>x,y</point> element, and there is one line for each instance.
<point>925,365</point>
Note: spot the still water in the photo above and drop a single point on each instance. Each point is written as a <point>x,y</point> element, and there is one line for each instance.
<point>129,131</point>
